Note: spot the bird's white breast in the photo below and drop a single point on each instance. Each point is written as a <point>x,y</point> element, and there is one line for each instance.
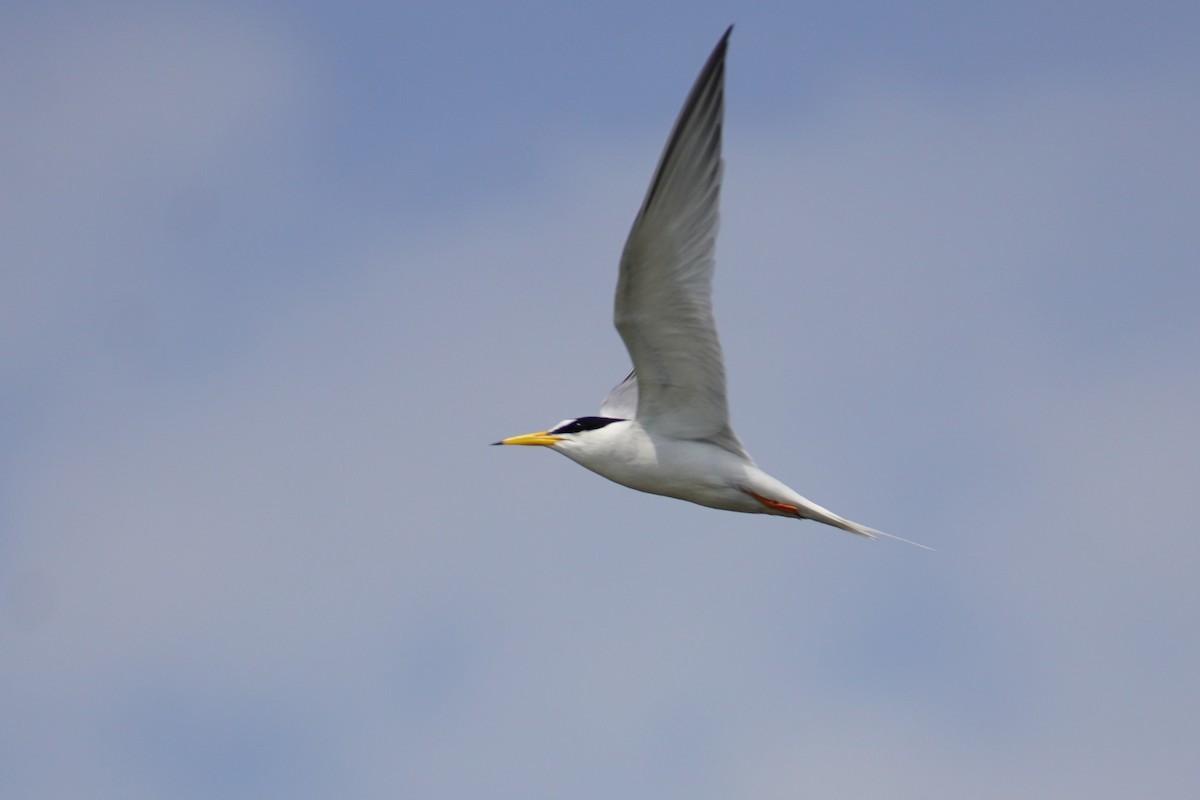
<point>693,470</point>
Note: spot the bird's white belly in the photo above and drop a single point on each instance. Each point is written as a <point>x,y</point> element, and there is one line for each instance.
<point>696,471</point>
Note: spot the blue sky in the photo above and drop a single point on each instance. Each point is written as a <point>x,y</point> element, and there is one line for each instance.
<point>275,274</point>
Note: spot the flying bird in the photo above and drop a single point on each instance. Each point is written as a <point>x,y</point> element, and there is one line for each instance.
<point>665,428</point>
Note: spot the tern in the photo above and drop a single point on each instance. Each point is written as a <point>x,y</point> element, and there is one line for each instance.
<point>665,428</point>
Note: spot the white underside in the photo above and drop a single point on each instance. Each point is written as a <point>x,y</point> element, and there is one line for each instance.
<point>694,470</point>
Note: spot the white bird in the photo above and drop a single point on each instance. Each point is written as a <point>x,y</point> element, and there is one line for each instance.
<point>665,429</point>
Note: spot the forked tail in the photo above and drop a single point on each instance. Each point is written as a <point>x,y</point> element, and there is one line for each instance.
<point>818,514</point>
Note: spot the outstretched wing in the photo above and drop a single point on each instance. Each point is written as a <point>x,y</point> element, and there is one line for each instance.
<point>664,295</point>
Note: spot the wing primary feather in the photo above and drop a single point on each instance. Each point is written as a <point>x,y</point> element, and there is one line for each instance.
<point>703,87</point>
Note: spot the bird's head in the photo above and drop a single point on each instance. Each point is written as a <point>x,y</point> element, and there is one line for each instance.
<point>566,435</point>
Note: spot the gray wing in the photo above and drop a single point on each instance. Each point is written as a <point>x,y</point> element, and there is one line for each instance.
<point>622,401</point>
<point>664,294</point>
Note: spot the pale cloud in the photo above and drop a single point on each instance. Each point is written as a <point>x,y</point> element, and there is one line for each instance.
<point>301,571</point>
<point>115,121</point>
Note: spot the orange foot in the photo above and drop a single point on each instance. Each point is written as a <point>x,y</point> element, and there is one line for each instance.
<point>774,504</point>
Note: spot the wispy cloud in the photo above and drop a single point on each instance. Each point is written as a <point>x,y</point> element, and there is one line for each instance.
<point>285,562</point>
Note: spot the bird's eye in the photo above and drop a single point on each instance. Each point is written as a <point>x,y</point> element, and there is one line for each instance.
<point>584,424</point>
